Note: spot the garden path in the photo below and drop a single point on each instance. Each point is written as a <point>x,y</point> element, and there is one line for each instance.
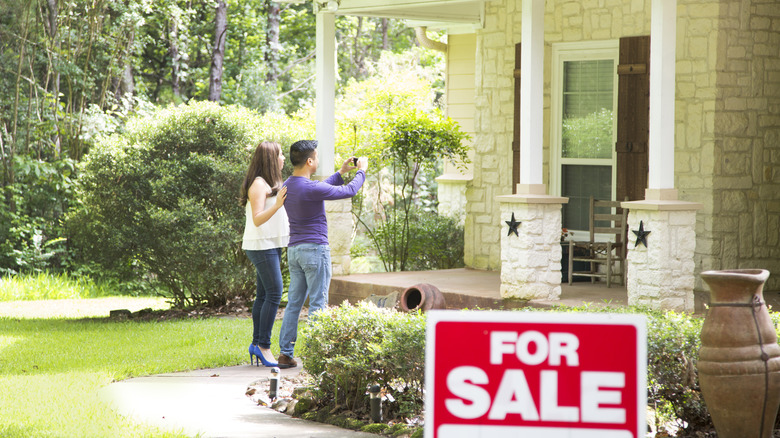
<point>212,402</point>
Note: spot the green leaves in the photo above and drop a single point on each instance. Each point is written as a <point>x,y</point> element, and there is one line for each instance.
<point>348,348</point>
<point>160,202</point>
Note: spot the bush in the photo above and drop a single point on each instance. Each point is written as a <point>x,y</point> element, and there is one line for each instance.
<point>349,348</point>
<point>435,242</point>
<point>160,202</point>
<point>31,207</point>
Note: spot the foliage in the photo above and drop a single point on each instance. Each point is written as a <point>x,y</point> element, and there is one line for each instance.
<point>90,354</point>
<point>589,136</point>
<point>349,348</point>
<point>35,198</point>
<point>368,107</point>
<point>672,382</point>
<point>160,202</point>
<point>435,242</point>
<point>413,147</point>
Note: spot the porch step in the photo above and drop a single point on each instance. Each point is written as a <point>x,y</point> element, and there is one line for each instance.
<point>461,288</point>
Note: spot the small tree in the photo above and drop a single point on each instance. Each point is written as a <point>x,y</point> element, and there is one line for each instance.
<point>416,142</point>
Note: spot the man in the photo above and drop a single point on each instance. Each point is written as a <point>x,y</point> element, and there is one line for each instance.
<point>308,253</point>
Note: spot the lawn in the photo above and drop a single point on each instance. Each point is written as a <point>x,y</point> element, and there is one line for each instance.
<point>52,368</point>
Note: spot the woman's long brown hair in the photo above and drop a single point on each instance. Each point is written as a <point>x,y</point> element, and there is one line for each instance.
<point>265,164</point>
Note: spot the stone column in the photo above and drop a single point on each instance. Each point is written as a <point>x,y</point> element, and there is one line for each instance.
<point>531,261</point>
<point>452,195</point>
<point>661,274</point>
<point>340,225</point>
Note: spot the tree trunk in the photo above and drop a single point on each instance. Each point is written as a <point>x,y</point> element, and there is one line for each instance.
<point>54,71</point>
<point>218,53</point>
<point>384,26</point>
<point>357,51</point>
<point>126,82</point>
<point>271,55</point>
<point>173,36</point>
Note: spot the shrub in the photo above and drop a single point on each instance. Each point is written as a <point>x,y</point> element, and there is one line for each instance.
<point>31,207</point>
<point>349,348</point>
<point>160,202</point>
<point>435,242</point>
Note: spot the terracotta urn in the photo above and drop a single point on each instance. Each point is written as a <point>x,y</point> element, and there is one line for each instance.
<point>739,359</point>
<point>422,297</point>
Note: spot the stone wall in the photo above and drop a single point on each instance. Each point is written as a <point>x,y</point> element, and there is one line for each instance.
<point>340,225</point>
<point>744,231</point>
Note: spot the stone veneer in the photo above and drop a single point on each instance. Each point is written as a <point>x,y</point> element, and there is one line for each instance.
<point>661,274</point>
<point>741,159</point>
<point>531,261</point>
<point>339,214</point>
<point>727,145</point>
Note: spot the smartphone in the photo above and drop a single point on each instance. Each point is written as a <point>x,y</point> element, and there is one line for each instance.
<point>354,161</point>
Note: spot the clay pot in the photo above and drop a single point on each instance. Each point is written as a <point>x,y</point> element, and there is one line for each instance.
<point>422,297</point>
<point>739,359</point>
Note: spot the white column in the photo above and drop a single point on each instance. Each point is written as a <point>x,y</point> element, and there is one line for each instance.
<point>532,93</point>
<point>326,91</point>
<point>663,37</point>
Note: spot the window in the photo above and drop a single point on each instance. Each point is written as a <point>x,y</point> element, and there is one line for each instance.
<point>584,101</point>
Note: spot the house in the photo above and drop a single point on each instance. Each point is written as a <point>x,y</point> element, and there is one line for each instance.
<point>687,91</point>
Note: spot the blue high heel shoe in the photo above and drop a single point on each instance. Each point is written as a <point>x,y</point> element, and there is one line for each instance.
<point>254,350</point>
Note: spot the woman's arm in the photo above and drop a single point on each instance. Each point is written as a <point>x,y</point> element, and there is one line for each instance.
<point>258,192</point>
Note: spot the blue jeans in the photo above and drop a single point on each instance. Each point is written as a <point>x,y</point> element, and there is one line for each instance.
<point>310,273</point>
<point>269,293</point>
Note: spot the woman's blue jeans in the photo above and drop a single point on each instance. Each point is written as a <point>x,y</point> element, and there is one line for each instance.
<point>269,293</point>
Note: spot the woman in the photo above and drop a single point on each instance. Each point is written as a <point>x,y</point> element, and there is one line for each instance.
<point>265,234</point>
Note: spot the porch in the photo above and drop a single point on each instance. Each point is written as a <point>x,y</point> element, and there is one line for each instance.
<point>472,288</point>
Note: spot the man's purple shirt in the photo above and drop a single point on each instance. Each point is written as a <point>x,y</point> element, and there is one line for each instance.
<point>305,205</point>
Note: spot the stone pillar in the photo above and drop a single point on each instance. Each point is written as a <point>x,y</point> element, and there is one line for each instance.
<point>661,275</point>
<point>340,225</point>
<point>452,195</point>
<point>531,261</point>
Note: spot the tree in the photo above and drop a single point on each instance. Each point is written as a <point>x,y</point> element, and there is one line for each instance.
<point>218,51</point>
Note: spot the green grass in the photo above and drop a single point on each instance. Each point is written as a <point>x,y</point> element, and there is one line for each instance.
<point>46,286</point>
<point>51,369</point>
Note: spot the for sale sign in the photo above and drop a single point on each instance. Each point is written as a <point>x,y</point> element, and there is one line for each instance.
<point>535,375</point>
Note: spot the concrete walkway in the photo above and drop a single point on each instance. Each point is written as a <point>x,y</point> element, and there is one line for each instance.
<point>212,403</point>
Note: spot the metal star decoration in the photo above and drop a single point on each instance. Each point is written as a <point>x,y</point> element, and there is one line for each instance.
<point>513,224</point>
<point>641,235</point>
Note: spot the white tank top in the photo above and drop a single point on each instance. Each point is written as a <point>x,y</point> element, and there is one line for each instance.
<point>275,233</point>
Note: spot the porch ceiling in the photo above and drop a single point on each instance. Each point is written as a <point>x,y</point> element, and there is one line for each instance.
<point>437,11</point>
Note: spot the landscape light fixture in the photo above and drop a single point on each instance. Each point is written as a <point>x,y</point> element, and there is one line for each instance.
<point>272,393</point>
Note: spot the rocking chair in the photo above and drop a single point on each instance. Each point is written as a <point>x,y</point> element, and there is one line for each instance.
<point>611,253</point>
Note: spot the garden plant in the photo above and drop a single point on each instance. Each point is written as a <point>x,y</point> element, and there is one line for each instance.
<point>349,348</point>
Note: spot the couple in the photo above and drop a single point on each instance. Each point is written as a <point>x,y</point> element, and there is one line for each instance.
<point>270,206</point>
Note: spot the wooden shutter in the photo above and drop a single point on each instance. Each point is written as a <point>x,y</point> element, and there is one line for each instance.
<point>516,130</point>
<point>633,114</point>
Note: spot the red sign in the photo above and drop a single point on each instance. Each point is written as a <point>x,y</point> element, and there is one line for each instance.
<point>535,375</point>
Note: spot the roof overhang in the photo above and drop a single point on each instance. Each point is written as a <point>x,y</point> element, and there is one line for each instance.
<point>431,13</point>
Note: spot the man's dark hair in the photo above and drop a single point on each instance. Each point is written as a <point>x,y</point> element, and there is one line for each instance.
<point>302,150</point>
